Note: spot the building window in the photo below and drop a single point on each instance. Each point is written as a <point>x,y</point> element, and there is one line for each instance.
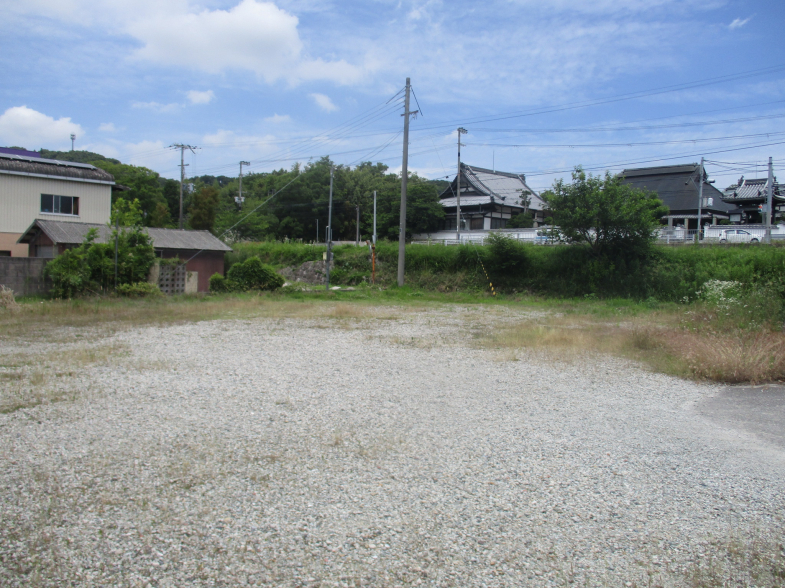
<point>477,224</point>
<point>47,251</point>
<point>498,223</point>
<point>5,254</point>
<point>52,204</point>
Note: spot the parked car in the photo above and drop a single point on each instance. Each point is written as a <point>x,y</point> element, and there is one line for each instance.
<point>737,236</point>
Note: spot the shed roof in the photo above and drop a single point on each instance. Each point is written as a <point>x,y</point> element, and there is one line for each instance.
<point>677,187</point>
<point>752,190</point>
<point>489,186</point>
<point>68,233</point>
<point>54,168</point>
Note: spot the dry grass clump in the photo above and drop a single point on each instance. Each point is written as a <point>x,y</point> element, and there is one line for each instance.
<point>7,300</point>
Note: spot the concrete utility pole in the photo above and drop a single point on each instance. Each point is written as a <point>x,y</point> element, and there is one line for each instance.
<point>769,202</point>
<point>182,149</point>
<point>240,199</point>
<point>357,227</point>
<point>329,232</point>
<point>404,179</point>
<point>461,131</point>
<point>374,217</point>
<point>73,138</point>
<point>700,202</point>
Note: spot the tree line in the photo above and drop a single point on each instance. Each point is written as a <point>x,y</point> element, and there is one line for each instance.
<point>300,198</point>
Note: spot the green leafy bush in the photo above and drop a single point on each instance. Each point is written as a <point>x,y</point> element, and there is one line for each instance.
<point>90,267</point>
<point>139,290</point>
<point>218,284</point>
<point>250,274</point>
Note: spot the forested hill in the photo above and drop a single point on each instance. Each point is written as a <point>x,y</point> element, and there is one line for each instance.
<point>299,202</point>
<point>76,156</point>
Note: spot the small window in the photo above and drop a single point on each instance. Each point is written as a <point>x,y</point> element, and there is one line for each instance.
<point>52,204</point>
<point>498,223</point>
<point>5,254</point>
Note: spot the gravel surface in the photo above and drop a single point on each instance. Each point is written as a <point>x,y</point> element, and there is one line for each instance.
<point>384,451</point>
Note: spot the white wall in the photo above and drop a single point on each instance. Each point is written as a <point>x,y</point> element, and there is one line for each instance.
<point>20,201</point>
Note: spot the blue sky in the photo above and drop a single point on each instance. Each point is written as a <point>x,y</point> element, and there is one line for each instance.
<point>536,83</point>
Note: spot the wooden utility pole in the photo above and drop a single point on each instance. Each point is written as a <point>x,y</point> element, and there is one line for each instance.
<point>404,180</point>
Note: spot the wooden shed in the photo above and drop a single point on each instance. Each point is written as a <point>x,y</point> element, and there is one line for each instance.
<point>202,251</point>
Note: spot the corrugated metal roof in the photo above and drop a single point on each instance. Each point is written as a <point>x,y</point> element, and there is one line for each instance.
<point>74,233</point>
<point>500,187</point>
<point>752,190</point>
<point>20,165</point>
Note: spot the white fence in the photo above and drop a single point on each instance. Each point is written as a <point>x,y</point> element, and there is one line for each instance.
<point>669,236</point>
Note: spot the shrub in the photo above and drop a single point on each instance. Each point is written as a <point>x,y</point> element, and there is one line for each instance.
<point>218,284</point>
<point>250,274</point>
<point>139,290</point>
<point>90,268</point>
<point>7,300</point>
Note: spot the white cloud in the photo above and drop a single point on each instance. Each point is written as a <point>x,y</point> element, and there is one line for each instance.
<point>256,36</point>
<point>738,23</point>
<point>197,97</point>
<point>20,125</point>
<point>323,102</point>
<point>107,128</point>
<point>157,107</point>
<point>277,119</point>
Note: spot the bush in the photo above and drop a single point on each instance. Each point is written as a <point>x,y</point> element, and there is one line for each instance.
<point>218,284</point>
<point>90,269</point>
<point>250,274</point>
<point>139,290</point>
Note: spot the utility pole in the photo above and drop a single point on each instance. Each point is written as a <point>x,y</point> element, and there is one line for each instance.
<point>317,230</point>
<point>700,202</point>
<point>182,149</point>
<point>357,227</point>
<point>240,199</point>
<point>373,244</point>
<point>73,138</point>
<point>404,180</point>
<point>329,231</point>
<point>374,217</point>
<point>769,202</point>
<point>461,131</point>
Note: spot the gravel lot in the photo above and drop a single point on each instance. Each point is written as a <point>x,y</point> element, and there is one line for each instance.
<point>379,451</point>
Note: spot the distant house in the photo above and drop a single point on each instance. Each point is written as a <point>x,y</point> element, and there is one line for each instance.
<point>677,186</point>
<point>35,188</point>
<point>747,195</point>
<point>488,200</point>
<point>203,251</point>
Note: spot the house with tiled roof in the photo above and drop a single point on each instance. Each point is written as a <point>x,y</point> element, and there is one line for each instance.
<point>748,195</point>
<point>678,188</point>
<point>489,199</point>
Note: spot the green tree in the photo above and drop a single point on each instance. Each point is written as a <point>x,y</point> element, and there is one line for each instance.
<point>143,185</point>
<point>609,216</point>
<point>126,213</point>
<point>203,208</point>
<point>524,220</point>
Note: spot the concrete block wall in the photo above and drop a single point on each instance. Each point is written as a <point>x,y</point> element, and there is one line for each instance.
<point>24,275</point>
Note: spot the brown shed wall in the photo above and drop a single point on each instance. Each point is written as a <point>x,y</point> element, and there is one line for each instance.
<point>206,263</point>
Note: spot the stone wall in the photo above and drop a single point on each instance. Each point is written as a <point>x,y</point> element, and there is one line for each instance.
<point>24,275</point>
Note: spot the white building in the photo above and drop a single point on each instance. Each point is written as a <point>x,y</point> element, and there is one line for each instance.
<point>35,188</point>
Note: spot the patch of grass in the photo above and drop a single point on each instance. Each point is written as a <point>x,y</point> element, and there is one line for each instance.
<point>758,561</point>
